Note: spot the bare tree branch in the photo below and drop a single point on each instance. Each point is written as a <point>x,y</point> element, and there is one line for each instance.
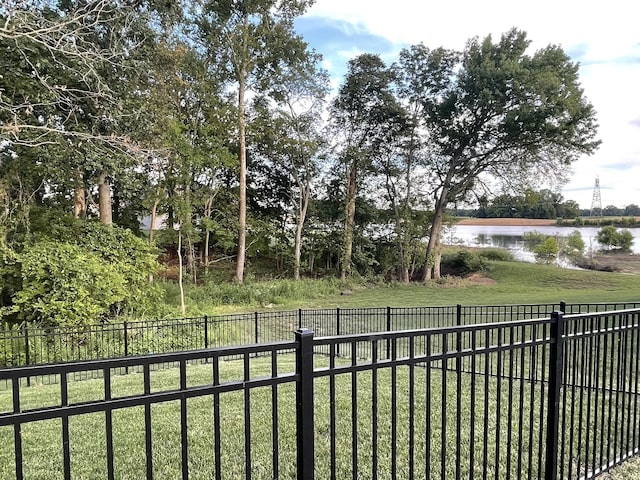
<point>66,42</point>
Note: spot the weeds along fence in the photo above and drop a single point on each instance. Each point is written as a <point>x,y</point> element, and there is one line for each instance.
<point>547,398</point>
<point>30,344</point>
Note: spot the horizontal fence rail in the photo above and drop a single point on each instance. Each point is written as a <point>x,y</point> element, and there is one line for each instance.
<point>30,344</point>
<point>554,397</point>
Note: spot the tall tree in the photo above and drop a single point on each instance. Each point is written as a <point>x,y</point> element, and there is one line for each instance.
<point>495,109</point>
<point>250,41</point>
<point>365,118</point>
<point>292,138</point>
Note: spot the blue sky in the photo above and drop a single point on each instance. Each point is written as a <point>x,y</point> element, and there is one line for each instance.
<point>603,37</point>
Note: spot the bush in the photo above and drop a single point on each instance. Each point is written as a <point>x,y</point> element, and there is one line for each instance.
<point>548,249</point>
<point>64,285</point>
<point>534,238</point>
<point>575,245</point>
<point>464,262</point>
<point>499,254</point>
<point>79,273</point>
<point>611,238</point>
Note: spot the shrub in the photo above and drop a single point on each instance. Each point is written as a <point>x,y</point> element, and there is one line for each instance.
<point>77,273</point>
<point>499,254</point>
<point>64,285</point>
<point>611,238</point>
<point>548,249</point>
<point>575,245</point>
<point>534,238</point>
<point>464,262</point>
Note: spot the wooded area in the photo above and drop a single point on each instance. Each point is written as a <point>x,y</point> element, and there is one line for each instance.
<point>216,120</point>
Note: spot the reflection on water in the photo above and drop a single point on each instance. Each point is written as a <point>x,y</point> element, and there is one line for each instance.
<point>512,238</point>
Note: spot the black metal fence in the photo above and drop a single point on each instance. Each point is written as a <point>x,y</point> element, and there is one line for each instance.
<point>551,398</point>
<point>29,344</point>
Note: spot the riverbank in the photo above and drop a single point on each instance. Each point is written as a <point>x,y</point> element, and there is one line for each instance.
<point>613,262</point>
<point>506,222</point>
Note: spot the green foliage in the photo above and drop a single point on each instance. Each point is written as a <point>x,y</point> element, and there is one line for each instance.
<point>10,281</point>
<point>575,245</point>
<point>62,284</point>
<point>611,238</point>
<point>464,262</point>
<point>531,204</point>
<point>78,273</point>
<point>134,258</point>
<point>547,250</point>
<point>499,254</point>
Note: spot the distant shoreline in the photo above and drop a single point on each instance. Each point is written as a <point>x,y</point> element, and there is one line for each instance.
<point>507,222</point>
<point>541,222</point>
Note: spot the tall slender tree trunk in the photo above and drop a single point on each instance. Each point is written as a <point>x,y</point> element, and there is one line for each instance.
<point>303,205</point>
<point>154,216</point>
<point>242,217</point>
<point>104,200</point>
<point>208,210</point>
<point>183,307</point>
<point>79,197</point>
<point>401,231</point>
<point>349,220</point>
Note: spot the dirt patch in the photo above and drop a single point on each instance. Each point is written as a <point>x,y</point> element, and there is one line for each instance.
<point>507,222</point>
<point>614,262</point>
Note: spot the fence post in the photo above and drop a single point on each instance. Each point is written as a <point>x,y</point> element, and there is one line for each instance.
<point>27,358</point>
<point>553,405</point>
<point>304,404</point>
<point>255,327</point>
<point>299,318</point>
<point>126,344</point>
<point>206,332</point>
<point>563,307</point>
<point>458,314</point>
<point>388,330</point>
<point>338,330</point>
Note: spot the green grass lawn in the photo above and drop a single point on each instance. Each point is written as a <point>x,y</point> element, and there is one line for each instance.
<point>515,283</point>
<point>498,421</point>
<point>432,413</point>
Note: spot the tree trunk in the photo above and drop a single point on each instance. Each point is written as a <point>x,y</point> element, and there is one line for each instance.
<point>302,213</point>
<point>104,200</point>
<point>349,220</point>
<point>207,234</point>
<point>191,260</point>
<point>183,307</point>
<point>154,216</point>
<point>242,217</point>
<point>432,265</point>
<point>79,198</point>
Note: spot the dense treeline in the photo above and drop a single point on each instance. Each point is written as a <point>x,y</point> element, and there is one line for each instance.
<point>214,122</point>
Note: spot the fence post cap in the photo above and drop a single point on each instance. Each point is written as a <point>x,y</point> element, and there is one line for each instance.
<point>304,331</point>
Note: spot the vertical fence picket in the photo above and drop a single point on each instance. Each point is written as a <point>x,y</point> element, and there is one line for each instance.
<point>553,399</point>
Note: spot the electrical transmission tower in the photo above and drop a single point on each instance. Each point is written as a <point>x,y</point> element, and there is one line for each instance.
<point>596,202</point>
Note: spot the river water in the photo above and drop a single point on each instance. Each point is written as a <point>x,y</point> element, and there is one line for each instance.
<point>511,237</point>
